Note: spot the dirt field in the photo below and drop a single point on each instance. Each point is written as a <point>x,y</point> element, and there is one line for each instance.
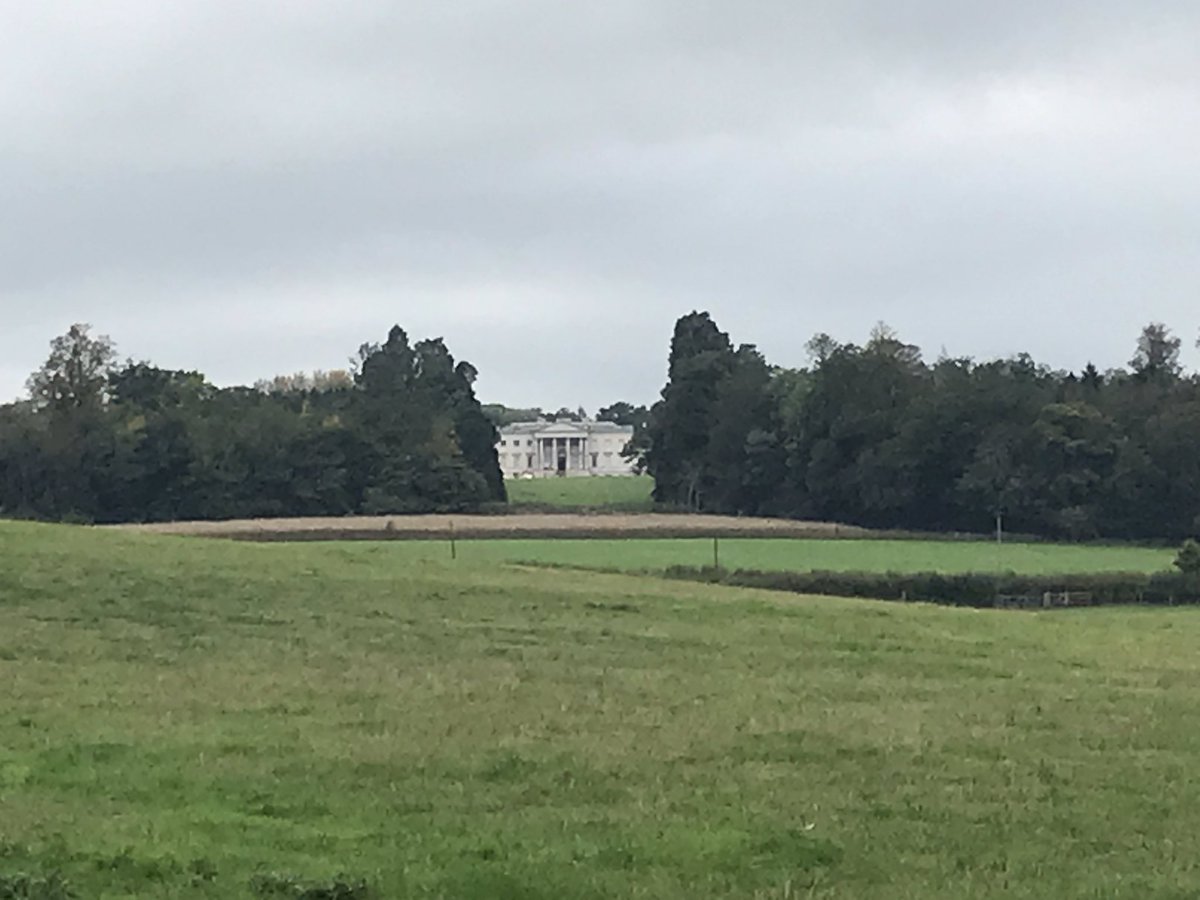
<point>526,526</point>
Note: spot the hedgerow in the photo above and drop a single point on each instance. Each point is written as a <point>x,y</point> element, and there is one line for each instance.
<point>976,589</point>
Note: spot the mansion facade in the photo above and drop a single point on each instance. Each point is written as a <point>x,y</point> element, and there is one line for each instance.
<point>544,449</point>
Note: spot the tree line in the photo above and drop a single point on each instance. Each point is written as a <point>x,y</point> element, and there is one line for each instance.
<point>874,435</point>
<point>97,441</point>
<point>868,434</point>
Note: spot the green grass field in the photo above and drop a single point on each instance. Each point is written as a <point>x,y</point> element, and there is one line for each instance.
<point>624,494</point>
<point>183,718</point>
<point>798,554</point>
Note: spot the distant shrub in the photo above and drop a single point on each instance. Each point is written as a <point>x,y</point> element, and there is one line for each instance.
<point>202,871</point>
<point>34,887</point>
<point>75,518</point>
<point>1188,560</point>
<point>974,589</point>
<point>293,888</point>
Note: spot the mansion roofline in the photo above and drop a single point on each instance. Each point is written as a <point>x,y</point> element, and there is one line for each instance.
<point>563,448</point>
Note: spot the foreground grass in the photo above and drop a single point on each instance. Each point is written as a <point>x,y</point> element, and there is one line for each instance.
<point>618,494</point>
<point>181,716</point>
<point>799,554</point>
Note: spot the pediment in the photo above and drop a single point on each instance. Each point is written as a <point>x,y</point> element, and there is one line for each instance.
<point>570,428</point>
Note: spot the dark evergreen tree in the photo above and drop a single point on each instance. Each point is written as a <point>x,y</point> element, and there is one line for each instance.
<point>412,405</point>
<point>680,423</point>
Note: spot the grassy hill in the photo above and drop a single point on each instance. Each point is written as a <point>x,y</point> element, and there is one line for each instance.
<point>801,554</point>
<point>201,719</point>
<point>615,494</point>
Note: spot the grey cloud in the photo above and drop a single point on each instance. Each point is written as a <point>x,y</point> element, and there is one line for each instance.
<point>247,188</point>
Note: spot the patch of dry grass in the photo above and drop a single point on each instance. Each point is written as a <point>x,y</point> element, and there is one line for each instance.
<point>547,525</point>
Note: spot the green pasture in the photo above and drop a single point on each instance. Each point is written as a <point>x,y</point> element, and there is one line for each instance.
<point>186,718</point>
<point>623,494</point>
<point>799,554</point>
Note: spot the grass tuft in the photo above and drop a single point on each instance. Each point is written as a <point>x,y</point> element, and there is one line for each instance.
<point>291,887</point>
<point>35,887</point>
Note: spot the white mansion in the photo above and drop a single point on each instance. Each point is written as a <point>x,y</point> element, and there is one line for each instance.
<point>541,449</point>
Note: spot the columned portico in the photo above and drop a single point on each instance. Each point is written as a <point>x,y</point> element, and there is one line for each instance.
<point>545,449</point>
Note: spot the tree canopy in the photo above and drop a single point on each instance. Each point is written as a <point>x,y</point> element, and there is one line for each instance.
<point>872,434</point>
<point>877,436</point>
<point>97,441</point>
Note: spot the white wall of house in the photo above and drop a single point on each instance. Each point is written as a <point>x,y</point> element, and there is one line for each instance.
<point>571,449</point>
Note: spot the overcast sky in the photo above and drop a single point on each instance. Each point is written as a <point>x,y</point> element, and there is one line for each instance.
<point>249,188</point>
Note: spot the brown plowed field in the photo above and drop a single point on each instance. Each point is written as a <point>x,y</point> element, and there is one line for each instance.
<point>548,525</point>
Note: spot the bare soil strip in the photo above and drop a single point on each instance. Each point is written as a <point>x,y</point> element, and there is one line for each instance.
<point>548,525</point>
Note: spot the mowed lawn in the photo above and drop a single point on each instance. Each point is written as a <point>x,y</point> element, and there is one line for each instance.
<point>623,494</point>
<point>186,718</point>
<point>800,554</point>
